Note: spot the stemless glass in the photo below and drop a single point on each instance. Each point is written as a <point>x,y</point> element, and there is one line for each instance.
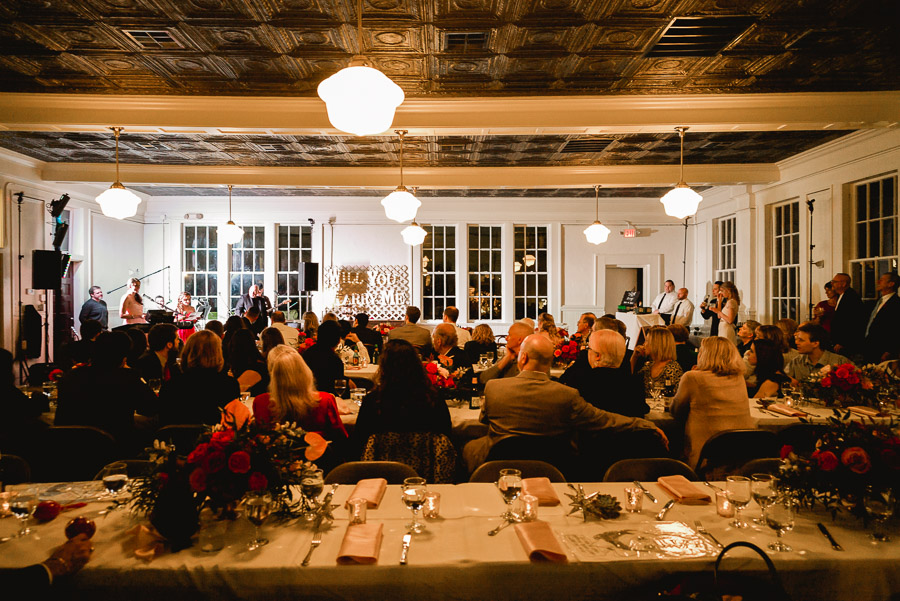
<point>780,518</point>
<point>115,477</point>
<point>510,485</point>
<point>22,506</point>
<point>413,495</point>
<point>257,506</point>
<point>762,489</point>
<point>340,387</point>
<point>879,503</point>
<point>738,490</point>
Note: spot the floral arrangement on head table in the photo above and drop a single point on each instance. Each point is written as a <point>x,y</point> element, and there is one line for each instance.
<point>566,351</point>
<point>845,385</point>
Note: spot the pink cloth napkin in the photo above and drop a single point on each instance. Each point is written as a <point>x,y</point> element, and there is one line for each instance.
<point>542,489</point>
<point>683,490</point>
<point>785,410</point>
<point>539,542</point>
<point>145,543</point>
<point>864,411</point>
<point>361,544</point>
<point>370,489</point>
<point>236,411</point>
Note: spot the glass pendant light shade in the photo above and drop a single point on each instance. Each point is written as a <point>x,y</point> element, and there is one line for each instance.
<point>596,233</point>
<point>361,100</point>
<point>681,202</point>
<point>400,205</point>
<point>414,234</point>
<point>118,202</point>
<point>230,232</point>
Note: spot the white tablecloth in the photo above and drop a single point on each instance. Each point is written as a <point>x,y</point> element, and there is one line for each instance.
<point>634,322</point>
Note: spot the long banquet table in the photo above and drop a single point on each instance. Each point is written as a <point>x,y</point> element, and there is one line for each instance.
<point>454,558</point>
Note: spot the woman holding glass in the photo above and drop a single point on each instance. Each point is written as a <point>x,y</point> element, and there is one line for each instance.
<point>730,301</point>
<point>482,343</point>
<point>661,364</point>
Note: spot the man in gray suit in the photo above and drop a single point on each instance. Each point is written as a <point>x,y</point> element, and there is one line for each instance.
<point>409,331</point>
<point>531,404</point>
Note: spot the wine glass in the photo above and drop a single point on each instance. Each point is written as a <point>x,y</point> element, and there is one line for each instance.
<point>656,390</point>
<point>762,489</point>
<point>780,518</point>
<point>510,486</point>
<point>155,385</point>
<point>115,477</point>
<point>413,495</point>
<point>340,387</point>
<point>257,506</point>
<point>879,503</point>
<point>22,506</point>
<point>737,488</point>
<point>311,486</point>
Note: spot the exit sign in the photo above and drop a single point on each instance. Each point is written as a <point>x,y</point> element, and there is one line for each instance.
<point>629,233</point>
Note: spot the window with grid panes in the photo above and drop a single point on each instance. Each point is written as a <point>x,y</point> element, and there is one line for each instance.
<point>726,255</point>
<point>247,262</point>
<point>438,270</point>
<point>530,270</point>
<point>784,261</point>
<point>294,247</point>
<point>875,234</point>
<point>199,270</point>
<point>485,278</point>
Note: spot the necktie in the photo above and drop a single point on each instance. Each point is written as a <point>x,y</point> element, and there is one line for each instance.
<point>661,299</point>
<point>874,313</point>
<point>675,313</point>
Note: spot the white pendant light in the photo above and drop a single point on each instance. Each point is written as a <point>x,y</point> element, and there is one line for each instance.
<point>230,233</point>
<point>414,234</point>
<point>597,233</point>
<point>118,202</point>
<point>360,100</point>
<point>400,205</point>
<point>681,202</point>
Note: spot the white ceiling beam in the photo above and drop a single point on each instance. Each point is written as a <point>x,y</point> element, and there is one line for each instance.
<point>457,116</point>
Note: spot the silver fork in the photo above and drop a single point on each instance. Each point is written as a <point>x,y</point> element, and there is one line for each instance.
<point>316,541</point>
<point>703,531</point>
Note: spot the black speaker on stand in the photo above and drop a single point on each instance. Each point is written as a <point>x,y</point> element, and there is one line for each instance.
<point>309,277</point>
<point>46,269</point>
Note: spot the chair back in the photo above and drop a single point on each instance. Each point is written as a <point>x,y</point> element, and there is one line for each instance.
<point>431,455</point>
<point>14,470</point>
<point>802,437</point>
<point>137,468</point>
<point>647,470</point>
<point>598,451</point>
<point>555,450</point>
<point>768,465</point>
<point>530,468</point>
<point>354,471</point>
<point>726,452</point>
<point>73,453</point>
<point>183,436</point>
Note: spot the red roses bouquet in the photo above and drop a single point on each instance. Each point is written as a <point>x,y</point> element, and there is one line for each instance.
<point>848,456</point>
<point>439,375</point>
<point>566,351</point>
<point>846,385</point>
<point>304,342</point>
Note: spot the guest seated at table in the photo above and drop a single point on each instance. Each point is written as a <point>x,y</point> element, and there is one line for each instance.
<point>768,362</point>
<point>604,384</point>
<point>322,359</point>
<point>37,579</point>
<point>247,364</point>
<point>21,423</point>
<point>370,338</point>
<point>660,360</point>
<point>351,345</point>
<point>158,362</point>
<point>531,404</point>
<point>215,326</point>
<point>581,366</point>
<point>482,343</point>
<point>745,335</point>
<point>685,352</point>
<point>446,352</point>
<point>812,340</point>
<point>270,338</point>
<point>77,352</point>
<point>138,346</point>
<point>713,397</point>
<point>290,334</point>
<point>412,332</point>
<point>232,324</point>
<point>776,335</point>
<point>310,324</point>
<point>254,321</point>
<point>106,394</point>
<point>546,327</point>
<point>292,397</point>
<point>403,399</point>
<point>197,395</point>
<point>507,367</point>
<point>788,328</point>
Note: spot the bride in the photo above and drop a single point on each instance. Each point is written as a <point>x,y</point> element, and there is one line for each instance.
<point>729,301</point>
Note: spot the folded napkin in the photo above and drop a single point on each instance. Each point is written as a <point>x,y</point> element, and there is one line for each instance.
<point>361,544</point>
<point>342,407</point>
<point>683,490</point>
<point>236,412</point>
<point>539,542</point>
<point>785,410</point>
<point>144,543</point>
<point>864,411</point>
<point>542,489</point>
<point>370,489</point>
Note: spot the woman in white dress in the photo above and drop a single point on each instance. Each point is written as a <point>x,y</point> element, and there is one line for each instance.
<point>131,307</point>
<point>729,301</point>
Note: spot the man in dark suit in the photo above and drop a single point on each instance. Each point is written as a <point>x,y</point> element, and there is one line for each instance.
<point>707,314</point>
<point>36,579</point>
<point>370,338</point>
<point>158,362</point>
<point>446,351</point>
<point>848,326</point>
<point>883,327</point>
<point>531,404</point>
<point>321,358</point>
<point>414,334</point>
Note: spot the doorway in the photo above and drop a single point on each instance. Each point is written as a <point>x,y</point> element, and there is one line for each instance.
<point>619,280</point>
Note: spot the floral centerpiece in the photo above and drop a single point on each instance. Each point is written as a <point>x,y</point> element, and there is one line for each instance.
<point>304,342</point>
<point>845,385</point>
<point>848,456</point>
<point>566,351</point>
<point>440,375</point>
<point>228,462</point>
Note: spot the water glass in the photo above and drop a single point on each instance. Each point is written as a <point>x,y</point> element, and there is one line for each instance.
<point>212,532</point>
<point>413,495</point>
<point>22,506</point>
<point>634,499</point>
<point>510,486</point>
<point>780,518</point>
<point>356,508</point>
<point>432,509</point>
<point>738,489</point>
<point>762,489</point>
<point>257,507</point>
<point>879,503</point>
<point>340,388</point>
<point>311,486</point>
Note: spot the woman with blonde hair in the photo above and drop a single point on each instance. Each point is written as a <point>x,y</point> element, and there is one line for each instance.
<point>482,343</point>
<point>547,328</point>
<point>131,307</point>
<point>713,397</point>
<point>661,361</point>
<point>730,301</point>
<point>310,325</point>
<point>185,316</point>
<point>293,397</point>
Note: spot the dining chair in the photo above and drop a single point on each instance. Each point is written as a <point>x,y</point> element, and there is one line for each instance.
<point>73,453</point>
<point>647,470</point>
<point>724,453</point>
<point>530,468</point>
<point>767,465</point>
<point>432,455</point>
<point>183,436</point>
<point>354,471</point>
<point>137,468</point>
<point>555,450</point>
<point>14,470</point>
<point>802,437</point>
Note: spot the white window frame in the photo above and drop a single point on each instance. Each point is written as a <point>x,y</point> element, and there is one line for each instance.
<point>785,261</point>
<point>496,269</point>
<point>437,303</point>
<point>540,269</point>
<point>291,272</point>
<point>867,267</point>
<point>255,276</point>
<point>726,249</point>
<point>212,299</point>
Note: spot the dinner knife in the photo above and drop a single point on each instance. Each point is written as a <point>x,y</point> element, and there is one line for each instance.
<point>834,543</point>
<point>404,553</point>
<point>662,512</point>
<point>646,492</point>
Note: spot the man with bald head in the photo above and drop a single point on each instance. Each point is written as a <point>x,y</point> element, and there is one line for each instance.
<point>444,343</point>
<point>507,367</point>
<point>531,404</point>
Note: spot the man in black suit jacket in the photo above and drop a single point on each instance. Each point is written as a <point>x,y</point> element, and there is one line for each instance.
<point>36,579</point>
<point>848,326</point>
<point>705,309</point>
<point>883,327</point>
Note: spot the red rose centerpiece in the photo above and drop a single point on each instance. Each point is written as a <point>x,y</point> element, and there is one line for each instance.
<point>846,385</point>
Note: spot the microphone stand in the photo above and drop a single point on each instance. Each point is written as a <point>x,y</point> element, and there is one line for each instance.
<point>809,205</point>
<point>138,279</point>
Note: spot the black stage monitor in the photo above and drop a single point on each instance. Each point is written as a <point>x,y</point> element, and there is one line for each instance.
<point>309,277</point>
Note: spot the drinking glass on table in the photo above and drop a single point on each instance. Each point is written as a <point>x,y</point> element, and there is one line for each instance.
<point>155,385</point>
<point>762,489</point>
<point>311,486</point>
<point>780,518</point>
<point>257,507</point>
<point>22,506</point>
<point>510,485</point>
<point>879,503</point>
<point>115,477</point>
<point>413,495</point>
<point>738,491</point>
<point>340,388</point>
<point>656,390</point>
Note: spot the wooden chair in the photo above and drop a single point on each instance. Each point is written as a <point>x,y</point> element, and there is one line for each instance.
<point>726,452</point>
<point>431,455</point>
<point>647,470</point>
<point>802,437</point>
<point>183,436</point>
<point>555,450</point>
<point>768,465</point>
<point>72,453</point>
<point>354,471</point>
<point>530,468</point>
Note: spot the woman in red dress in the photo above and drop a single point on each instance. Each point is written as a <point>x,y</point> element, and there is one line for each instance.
<point>185,316</point>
